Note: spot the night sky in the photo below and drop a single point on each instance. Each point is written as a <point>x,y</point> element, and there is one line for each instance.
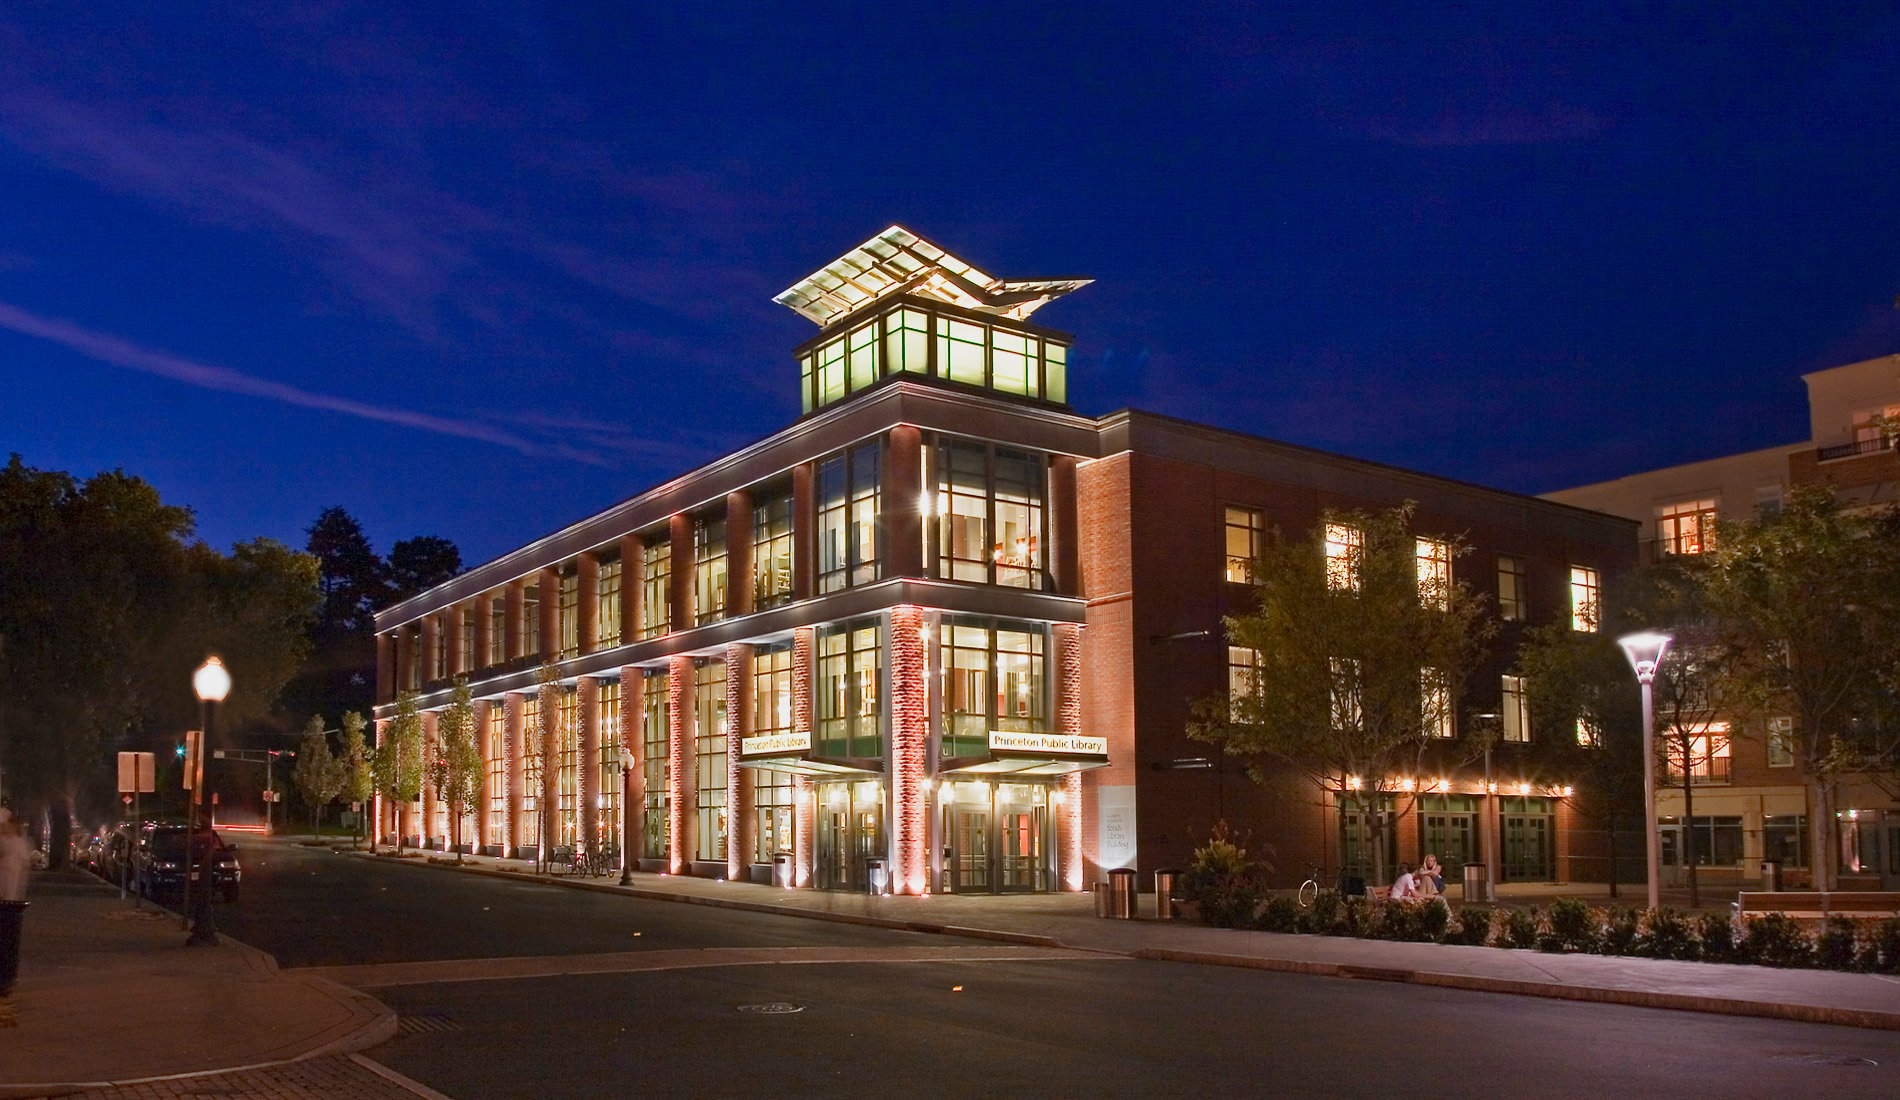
<point>481,271</point>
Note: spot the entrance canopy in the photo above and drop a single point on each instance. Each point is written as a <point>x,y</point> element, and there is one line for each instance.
<point>820,766</point>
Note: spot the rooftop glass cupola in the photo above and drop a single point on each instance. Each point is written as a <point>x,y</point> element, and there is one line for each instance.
<point>899,306</point>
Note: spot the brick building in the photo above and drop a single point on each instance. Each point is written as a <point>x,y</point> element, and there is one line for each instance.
<point>942,632</point>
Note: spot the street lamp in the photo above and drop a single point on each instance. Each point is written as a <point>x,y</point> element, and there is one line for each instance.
<point>1645,652</point>
<point>212,683</point>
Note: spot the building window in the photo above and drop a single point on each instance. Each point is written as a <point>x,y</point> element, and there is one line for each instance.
<point>1702,755</point>
<point>568,756</point>
<point>1435,705</point>
<point>772,552</point>
<point>1434,573</point>
<point>1781,742</point>
<point>709,569</point>
<point>907,341</point>
<point>1347,694</point>
<point>495,820</point>
<point>1784,838</point>
<point>1513,589</point>
<point>849,672</point>
<point>771,717</point>
<point>1246,538</point>
<point>656,596</point>
<point>1718,841</point>
<point>989,512</point>
<point>847,518</point>
<point>531,619</point>
<point>900,342</point>
<point>440,658</point>
<point>533,758</point>
<point>709,759</point>
<point>1515,710</point>
<point>498,629</point>
<point>1343,545</point>
<point>1589,731</point>
<point>570,613</point>
<point>656,753</point>
<point>471,660</point>
<point>960,351</point>
<point>1585,598</point>
<point>1768,501</point>
<point>1243,679</point>
<point>1687,527</point>
<point>994,678</point>
<point>609,764</point>
<point>607,607</point>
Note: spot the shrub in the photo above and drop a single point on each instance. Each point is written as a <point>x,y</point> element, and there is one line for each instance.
<point>1621,930</point>
<point>1777,939</point>
<point>1325,915</point>
<point>1838,945</point>
<point>1434,921</point>
<point>1520,929</point>
<point>1473,927</point>
<point>1574,926</point>
<point>1666,935</point>
<point>1281,914</point>
<point>1880,952</point>
<point>1223,881</point>
<point>1355,918</point>
<point>1718,938</point>
<point>1396,920</point>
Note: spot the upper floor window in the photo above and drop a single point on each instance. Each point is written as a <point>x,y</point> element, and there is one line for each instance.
<point>498,629</point>
<point>906,340</point>
<point>1585,598</point>
<point>1781,742</point>
<point>771,691</point>
<point>440,658</point>
<point>1515,711</point>
<point>1513,589</point>
<point>1702,755</point>
<point>989,514</point>
<point>570,612</point>
<point>471,614</point>
<point>1434,572</point>
<point>850,672</point>
<point>1435,703</point>
<point>607,604</point>
<point>1686,527</point>
<point>1343,545</point>
<point>1876,427</point>
<point>1243,679</point>
<point>994,676</point>
<point>656,586</point>
<point>1246,537</point>
<point>772,551</point>
<point>1346,694</point>
<point>847,518</point>
<point>531,618</point>
<point>709,569</point>
<point>1589,731</point>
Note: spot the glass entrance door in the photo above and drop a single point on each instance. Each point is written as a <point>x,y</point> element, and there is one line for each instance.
<point>1020,815</point>
<point>850,834</point>
<point>969,850</point>
<point>1453,838</point>
<point>1527,848</point>
<point>996,837</point>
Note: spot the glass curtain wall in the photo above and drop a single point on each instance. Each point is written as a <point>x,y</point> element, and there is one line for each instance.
<point>656,603</point>
<point>971,351</point>
<point>771,716</point>
<point>531,763</point>
<point>495,820</point>
<point>497,629</point>
<point>655,745</point>
<point>847,518</point>
<point>989,515</point>
<point>994,678</point>
<point>709,759</point>
<point>709,569</point>
<point>772,551</point>
<point>570,613</point>
<point>849,678</point>
<point>607,607</point>
<point>609,765</point>
<point>569,780</point>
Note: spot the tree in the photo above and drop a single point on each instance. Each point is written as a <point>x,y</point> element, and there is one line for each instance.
<point>421,563</point>
<point>455,769</point>
<point>398,762</point>
<point>340,672</point>
<point>1809,605</point>
<point>359,785</point>
<point>318,775</point>
<point>1360,658</point>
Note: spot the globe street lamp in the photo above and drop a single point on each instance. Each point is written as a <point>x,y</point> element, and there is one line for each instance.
<point>212,683</point>
<point>1645,652</point>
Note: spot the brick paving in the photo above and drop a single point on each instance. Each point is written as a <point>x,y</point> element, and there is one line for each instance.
<point>333,1077</point>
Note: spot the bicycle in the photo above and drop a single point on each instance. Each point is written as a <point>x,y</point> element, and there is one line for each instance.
<point>1311,888</point>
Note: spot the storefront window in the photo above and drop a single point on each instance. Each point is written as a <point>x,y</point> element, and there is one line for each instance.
<point>656,751</point>
<point>1784,837</point>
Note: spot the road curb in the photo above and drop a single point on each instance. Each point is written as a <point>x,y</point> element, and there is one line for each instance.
<point>1638,998</point>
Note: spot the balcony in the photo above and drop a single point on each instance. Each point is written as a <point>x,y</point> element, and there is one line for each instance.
<point>1851,450</point>
<point>1711,772</point>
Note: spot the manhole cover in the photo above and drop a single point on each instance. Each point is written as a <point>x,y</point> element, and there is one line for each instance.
<point>1825,1059</point>
<point>776,1008</point>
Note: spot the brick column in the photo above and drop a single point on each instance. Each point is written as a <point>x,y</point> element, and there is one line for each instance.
<point>900,504</point>
<point>550,609</point>
<point>484,618</point>
<point>910,741</point>
<point>588,712</point>
<point>633,790</point>
<point>681,534</point>
<point>740,585</point>
<point>1068,644</point>
<point>739,815</point>
<point>511,619</point>
<point>804,532</point>
<point>431,749</point>
<point>552,741</point>
<point>1063,555</point>
<point>385,658</point>
<point>680,780</point>
<point>481,808</point>
<point>587,603</point>
<point>517,737</point>
<point>804,813</point>
<point>633,589</point>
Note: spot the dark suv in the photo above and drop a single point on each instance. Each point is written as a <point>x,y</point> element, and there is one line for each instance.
<point>158,862</point>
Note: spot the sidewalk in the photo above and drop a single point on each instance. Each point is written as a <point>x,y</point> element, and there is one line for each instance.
<point>1068,920</point>
<point>109,995</point>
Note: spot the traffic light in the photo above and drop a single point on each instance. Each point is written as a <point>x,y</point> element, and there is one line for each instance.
<point>181,750</point>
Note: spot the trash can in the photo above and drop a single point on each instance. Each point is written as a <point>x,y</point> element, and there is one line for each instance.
<point>1771,875</point>
<point>1121,893</point>
<point>1164,892</point>
<point>1101,899</point>
<point>1477,882</point>
<point>876,875</point>
<point>11,913</point>
<point>782,870</point>
<point>1351,885</point>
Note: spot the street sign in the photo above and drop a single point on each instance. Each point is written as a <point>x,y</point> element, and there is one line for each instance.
<point>137,773</point>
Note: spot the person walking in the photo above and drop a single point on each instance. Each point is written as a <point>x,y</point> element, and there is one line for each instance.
<point>16,858</point>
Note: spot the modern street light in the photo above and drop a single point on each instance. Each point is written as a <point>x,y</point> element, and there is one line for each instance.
<point>212,683</point>
<point>1645,652</point>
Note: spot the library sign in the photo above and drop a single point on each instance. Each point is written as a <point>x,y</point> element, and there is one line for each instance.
<point>774,744</point>
<point>1048,744</point>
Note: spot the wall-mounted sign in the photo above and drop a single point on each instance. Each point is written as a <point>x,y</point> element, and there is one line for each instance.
<point>775,743</point>
<point>1055,744</point>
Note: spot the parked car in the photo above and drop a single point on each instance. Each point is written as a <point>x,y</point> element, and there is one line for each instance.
<point>158,861</point>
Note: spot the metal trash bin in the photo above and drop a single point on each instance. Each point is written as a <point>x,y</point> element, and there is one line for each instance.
<point>1121,893</point>
<point>1101,899</point>
<point>1771,875</point>
<point>782,870</point>
<point>876,875</point>
<point>1477,882</point>
<point>1164,892</point>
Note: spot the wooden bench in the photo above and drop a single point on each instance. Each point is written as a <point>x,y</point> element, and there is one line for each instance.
<point>1819,904</point>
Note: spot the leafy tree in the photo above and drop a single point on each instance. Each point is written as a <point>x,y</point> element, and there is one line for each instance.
<point>340,672</point>
<point>358,781</point>
<point>318,774</point>
<point>1809,605</point>
<point>1360,664</point>
<point>455,768</point>
<point>421,563</point>
<point>399,762</point>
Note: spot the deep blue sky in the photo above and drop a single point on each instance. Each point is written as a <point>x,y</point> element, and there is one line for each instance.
<point>484,271</point>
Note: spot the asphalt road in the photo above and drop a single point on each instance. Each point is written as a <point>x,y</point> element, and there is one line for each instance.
<point>1099,1027</point>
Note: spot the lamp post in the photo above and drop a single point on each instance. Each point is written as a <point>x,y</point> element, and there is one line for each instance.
<point>212,683</point>
<point>1645,652</point>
